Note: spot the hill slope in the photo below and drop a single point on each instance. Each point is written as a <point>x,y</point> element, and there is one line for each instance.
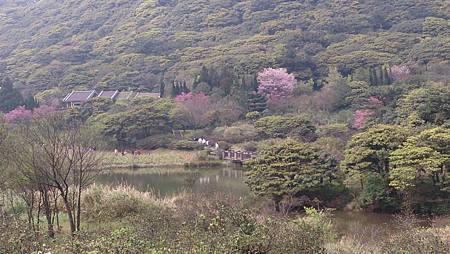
<point>121,43</point>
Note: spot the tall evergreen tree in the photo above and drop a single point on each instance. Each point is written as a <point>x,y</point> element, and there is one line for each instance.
<point>257,102</point>
<point>30,103</point>
<point>10,98</point>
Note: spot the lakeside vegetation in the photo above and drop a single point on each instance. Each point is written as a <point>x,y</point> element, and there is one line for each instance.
<point>123,220</point>
<point>154,158</point>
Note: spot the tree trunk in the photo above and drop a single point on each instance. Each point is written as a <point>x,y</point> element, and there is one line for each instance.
<point>56,211</point>
<point>39,207</point>
<point>277,201</point>
<point>48,213</point>
<point>79,209</point>
<point>70,215</point>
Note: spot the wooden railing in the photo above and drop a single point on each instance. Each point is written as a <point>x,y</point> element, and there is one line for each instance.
<point>237,156</point>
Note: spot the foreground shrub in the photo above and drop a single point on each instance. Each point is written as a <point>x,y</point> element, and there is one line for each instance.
<point>105,203</point>
<point>417,241</point>
<point>16,236</point>
<point>123,240</point>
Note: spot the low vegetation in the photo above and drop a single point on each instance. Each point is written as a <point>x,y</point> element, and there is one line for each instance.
<point>123,220</point>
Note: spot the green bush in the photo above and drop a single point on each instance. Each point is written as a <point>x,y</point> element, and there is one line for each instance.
<point>236,134</point>
<point>376,193</point>
<point>224,145</point>
<point>16,236</point>
<point>105,203</point>
<point>250,146</point>
<point>338,130</point>
<point>252,116</point>
<point>287,125</point>
<point>417,241</point>
<point>155,142</point>
<point>186,145</point>
<point>116,241</point>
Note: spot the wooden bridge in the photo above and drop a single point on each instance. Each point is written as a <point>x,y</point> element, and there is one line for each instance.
<point>237,156</point>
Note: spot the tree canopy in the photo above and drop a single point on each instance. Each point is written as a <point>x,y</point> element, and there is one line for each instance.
<point>289,168</point>
<point>137,44</point>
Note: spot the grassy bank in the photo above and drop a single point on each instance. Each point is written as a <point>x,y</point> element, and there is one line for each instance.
<point>155,158</point>
<point>162,158</point>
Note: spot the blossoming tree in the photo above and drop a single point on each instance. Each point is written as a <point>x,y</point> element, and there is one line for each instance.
<point>18,114</point>
<point>193,110</point>
<point>276,82</point>
<point>21,114</point>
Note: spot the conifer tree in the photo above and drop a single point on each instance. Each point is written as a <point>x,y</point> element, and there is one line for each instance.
<point>10,98</point>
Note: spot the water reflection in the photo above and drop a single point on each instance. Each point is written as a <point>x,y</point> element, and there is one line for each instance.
<point>170,181</point>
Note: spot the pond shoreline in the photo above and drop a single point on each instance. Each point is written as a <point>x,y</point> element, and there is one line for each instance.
<point>163,158</point>
<point>198,165</point>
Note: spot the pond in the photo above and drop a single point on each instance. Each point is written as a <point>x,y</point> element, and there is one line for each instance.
<point>166,182</point>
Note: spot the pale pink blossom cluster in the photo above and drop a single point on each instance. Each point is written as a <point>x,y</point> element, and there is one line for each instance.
<point>360,118</point>
<point>400,72</point>
<point>20,113</point>
<point>276,82</point>
<point>375,101</point>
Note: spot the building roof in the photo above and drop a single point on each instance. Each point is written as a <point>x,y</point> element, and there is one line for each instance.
<point>83,96</point>
<point>108,94</point>
<point>79,96</point>
<point>153,95</point>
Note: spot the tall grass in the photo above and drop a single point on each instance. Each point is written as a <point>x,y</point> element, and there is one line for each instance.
<point>106,202</point>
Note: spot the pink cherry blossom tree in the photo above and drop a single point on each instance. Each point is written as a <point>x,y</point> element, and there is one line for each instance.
<point>18,114</point>
<point>375,102</point>
<point>276,82</point>
<point>400,72</point>
<point>360,118</point>
<point>21,114</point>
<point>194,108</point>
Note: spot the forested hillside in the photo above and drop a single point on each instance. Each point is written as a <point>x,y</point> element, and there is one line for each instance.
<point>144,43</point>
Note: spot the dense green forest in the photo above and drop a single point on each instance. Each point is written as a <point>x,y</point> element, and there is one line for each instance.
<point>138,44</point>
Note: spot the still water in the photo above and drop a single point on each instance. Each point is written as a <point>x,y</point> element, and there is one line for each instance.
<point>166,182</point>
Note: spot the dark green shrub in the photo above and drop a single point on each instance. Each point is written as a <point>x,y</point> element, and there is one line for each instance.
<point>287,125</point>
<point>155,142</point>
<point>186,145</point>
<point>338,130</point>
<point>224,145</point>
<point>117,241</point>
<point>376,194</point>
<point>236,134</point>
<point>250,146</point>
